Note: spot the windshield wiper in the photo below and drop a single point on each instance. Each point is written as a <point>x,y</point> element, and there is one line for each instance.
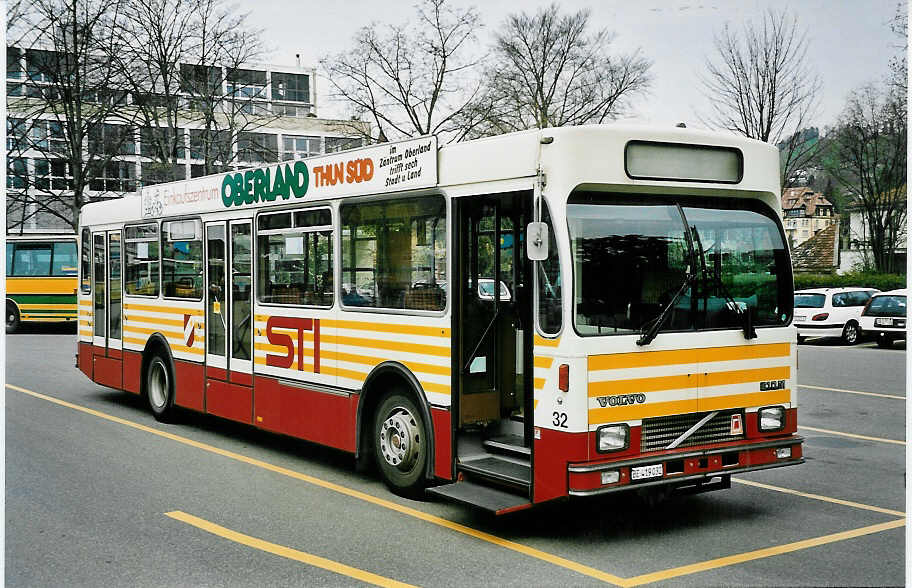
<point>650,333</point>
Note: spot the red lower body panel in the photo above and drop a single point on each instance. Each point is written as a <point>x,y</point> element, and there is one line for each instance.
<point>188,385</point>
<point>321,417</point>
<point>214,373</point>
<point>230,401</point>
<point>553,450</point>
<point>132,371</point>
<point>85,359</point>
<point>443,447</point>
<point>108,371</point>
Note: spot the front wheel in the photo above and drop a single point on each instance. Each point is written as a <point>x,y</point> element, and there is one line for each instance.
<point>12,319</point>
<point>160,388</point>
<point>400,443</point>
<point>851,333</point>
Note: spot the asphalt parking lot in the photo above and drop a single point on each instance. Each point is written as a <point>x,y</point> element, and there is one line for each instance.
<point>98,493</point>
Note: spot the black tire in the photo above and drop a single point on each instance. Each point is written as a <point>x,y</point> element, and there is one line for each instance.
<point>160,388</point>
<point>801,339</point>
<point>884,342</point>
<point>851,334</point>
<point>12,319</point>
<point>401,444</point>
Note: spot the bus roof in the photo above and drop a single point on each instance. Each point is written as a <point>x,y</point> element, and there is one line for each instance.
<point>583,154</point>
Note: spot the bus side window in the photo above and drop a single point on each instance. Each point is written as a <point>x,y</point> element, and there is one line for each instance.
<point>182,259</point>
<point>86,265</point>
<point>32,259</point>
<point>549,283</point>
<point>64,263</point>
<point>9,257</point>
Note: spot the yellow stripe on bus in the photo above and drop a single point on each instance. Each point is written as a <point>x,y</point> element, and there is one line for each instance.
<point>542,342</point>
<point>658,409</point>
<point>543,362</point>
<point>41,306</point>
<point>85,303</point>
<point>539,383</point>
<point>164,309</point>
<point>43,285</point>
<point>683,381</point>
<point>389,345</point>
<point>421,331</point>
<point>155,321</point>
<point>687,356</point>
<point>147,331</point>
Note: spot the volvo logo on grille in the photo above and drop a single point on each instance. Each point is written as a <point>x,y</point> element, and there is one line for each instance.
<point>621,400</point>
<point>772,385</point>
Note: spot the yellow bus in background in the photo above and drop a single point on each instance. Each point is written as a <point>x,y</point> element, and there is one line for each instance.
<point>41,279</point>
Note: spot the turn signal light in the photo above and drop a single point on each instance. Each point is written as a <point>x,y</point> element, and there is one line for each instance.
<point>821,317</point>
<point>563,377</point>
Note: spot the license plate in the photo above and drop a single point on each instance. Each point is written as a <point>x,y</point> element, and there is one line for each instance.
<point>800,317</point>
<point>644,472</point>
<point>883,322</point>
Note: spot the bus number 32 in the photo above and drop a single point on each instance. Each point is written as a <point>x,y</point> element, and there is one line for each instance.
<point>284,340</point>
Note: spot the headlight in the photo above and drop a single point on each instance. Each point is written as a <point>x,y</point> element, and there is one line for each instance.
<point>771,418</point>
<point>612,437</point>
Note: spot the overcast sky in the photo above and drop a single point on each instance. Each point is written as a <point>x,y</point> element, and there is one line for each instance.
<point>849,41</point>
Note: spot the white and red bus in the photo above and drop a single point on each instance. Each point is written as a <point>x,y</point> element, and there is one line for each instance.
<point>511,320</point>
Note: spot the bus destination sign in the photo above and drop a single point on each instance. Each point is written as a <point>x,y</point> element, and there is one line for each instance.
<point>389,167</point>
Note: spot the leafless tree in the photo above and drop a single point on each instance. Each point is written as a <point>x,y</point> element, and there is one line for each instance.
<point>759,84</point>
<point>898,66</point>
<point>179,57</point>
<point>867,154</point>
<point>550,70</point>
<point>57,115</point>
<point>410,79</point>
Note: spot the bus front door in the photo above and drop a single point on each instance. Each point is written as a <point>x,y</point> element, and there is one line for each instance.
<point>229,305</point>
<point>107,338</point>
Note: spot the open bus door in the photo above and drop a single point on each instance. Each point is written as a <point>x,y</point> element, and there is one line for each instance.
<point>493,322</point>
<point>107,337</point>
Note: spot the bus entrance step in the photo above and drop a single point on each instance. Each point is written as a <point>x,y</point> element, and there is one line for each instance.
<point>508,445</point>
<point>486,498</point>
<point>500,470</point>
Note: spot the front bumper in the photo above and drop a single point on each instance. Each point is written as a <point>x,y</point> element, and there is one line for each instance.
<point>686,467</point>
<point>826,330</point>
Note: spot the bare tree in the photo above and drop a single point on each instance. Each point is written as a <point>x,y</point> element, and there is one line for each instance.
<point>59,112</point>
<point>410,80</point>
<point>760,85</point>
<point>549,70</point>
<point>867,152</point>
<point>898,65</point>
<point>180,56</point>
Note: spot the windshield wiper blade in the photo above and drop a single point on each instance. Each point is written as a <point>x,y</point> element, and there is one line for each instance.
<point>650,334</point>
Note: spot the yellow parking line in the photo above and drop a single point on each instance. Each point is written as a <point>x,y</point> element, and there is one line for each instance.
<point>761,553</point>
<point>517,547</point>
<point>852,435</point>
<point>897,513</point>
<point>852,392</point>
<point>282,551</point>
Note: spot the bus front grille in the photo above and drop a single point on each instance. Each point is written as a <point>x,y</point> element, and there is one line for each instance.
<point>658,433</point>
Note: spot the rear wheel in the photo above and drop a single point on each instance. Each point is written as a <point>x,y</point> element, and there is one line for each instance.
<point>400,443</point>
<point>160,388</point>
<point>851,333</point>
<point>12,318</point>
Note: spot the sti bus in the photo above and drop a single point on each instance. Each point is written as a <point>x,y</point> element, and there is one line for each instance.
<point>41,280</point>
<point>641,339</point>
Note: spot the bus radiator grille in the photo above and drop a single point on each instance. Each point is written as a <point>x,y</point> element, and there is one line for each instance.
<point>659,432</point>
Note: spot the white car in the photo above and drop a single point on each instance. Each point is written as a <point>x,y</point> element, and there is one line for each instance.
<point>885,317</point>
<point>831,312</point>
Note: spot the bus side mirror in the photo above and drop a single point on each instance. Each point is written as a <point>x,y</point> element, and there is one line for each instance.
<point>537,241</point>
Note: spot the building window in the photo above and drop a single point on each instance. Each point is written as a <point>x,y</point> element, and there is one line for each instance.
<point>16,133</point>
<point>298,110</point>
<point>200,79</point>
<point>394,254</point>
<point>117,176</point>
<point>47,135</point>
<point>154,172</point>
<point>336,144</point>
<point>17,172</point>
<point>295,257</point>
<point>41,65</point>
<point>298,147</point>
<point>52,175</point>
<point>215,144</point>
<point>13,63</point>
<point>153,142</point>
<point>258,147</point>
<point>247,83</point>
<point>291,87</point>
<point>111,140</point>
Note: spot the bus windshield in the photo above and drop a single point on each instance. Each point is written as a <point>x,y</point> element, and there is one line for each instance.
<point>631,255</point>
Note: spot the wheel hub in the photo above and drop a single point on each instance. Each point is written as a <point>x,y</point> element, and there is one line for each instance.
<point>158,385</point>
<point>400,442</point>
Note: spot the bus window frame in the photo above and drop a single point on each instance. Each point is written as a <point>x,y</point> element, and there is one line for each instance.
<point>332,227</point>
<point>51,244</point>
<point>560,264</point>
<point>85,243</point>
<point>123,254</point>
<point>382,199</point>
<point>161,252</point>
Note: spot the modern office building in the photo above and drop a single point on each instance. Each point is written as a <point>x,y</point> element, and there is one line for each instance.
<point>279,109</point>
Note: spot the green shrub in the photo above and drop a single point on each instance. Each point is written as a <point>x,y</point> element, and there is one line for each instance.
<point>882,282</point>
